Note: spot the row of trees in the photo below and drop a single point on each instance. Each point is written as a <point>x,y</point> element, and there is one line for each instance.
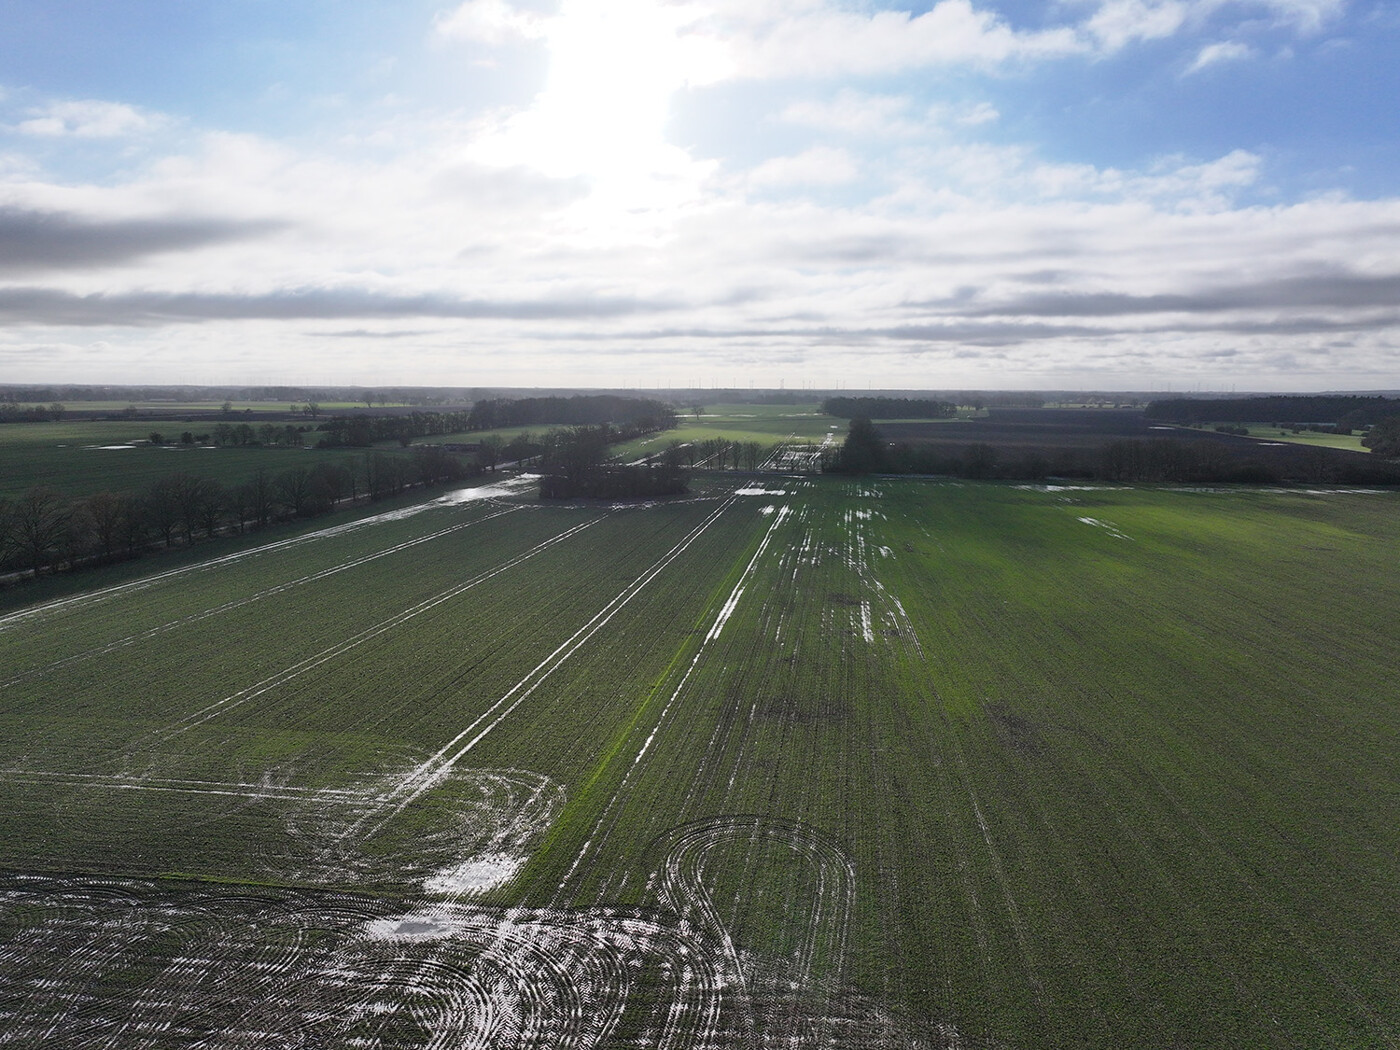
<point>1143,460</point>
<point>43,529</point>
<point>242,435</point>
<point>572,466</point>
<point>719,454</point>
<point>642,414</point>
<point>17,413</point>
<point>627,415</point>
<point>1348,411</point>
<point>888,408</point>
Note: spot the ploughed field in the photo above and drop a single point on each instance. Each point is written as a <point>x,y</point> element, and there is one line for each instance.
<point>812,762</point>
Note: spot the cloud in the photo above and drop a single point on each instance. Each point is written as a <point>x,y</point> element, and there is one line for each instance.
<point>855,113</point>
<point>50,306</point>
<point>1326,289</point>
<point>818,166</point>
<point>36,239</point>
<point>1221,52</point>
<point>1307,16</point>
<point>491,22</point>
<point>863,115</point>
<point>90,119</point>
<point>1118,23</point>
<point>825,42</point>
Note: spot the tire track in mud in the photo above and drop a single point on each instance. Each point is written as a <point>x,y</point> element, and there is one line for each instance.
<point>193,618</point>
<point>340,648</point>
<point>681,886</point>
<point>440,764</point>
<point>241,970</point>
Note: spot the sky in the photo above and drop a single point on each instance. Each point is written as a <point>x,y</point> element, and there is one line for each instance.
<point>993,194</point>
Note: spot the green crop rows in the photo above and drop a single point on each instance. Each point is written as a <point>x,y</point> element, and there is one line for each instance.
<point>862,763</point>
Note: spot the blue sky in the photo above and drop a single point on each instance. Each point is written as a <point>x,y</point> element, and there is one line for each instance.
<point>1113,194</point>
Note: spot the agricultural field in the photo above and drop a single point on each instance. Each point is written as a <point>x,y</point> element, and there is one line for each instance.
<point>766,424</point>
<point>80,457</point>
<point>1350,442</point>
<point>790,762</point>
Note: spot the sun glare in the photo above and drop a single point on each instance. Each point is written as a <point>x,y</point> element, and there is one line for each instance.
<point>614,68</point>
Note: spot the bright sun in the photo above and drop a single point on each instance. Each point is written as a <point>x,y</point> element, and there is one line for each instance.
<point>614,66</point>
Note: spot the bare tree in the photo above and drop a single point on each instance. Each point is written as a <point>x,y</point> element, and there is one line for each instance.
<point>39,521</point>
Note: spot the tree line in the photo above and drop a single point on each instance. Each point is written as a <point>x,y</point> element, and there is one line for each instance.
<point>1127,460</point>
<point>17,413</point>
<point>888,408</point>
<point>44,530</point>
<point>1280,410</point>
<point>572,466</point>
<point>633,415</point>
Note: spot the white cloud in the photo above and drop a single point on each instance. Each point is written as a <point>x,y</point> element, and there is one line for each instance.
<point>489,22</point>
<point>1307,16</point>
<point>810,40</point>
<point>819,166</point>
<point>90,118</point>
<point>982,113</point>
<point>1212,54</point>
<point>1118,23</point>
<point>855,113</point>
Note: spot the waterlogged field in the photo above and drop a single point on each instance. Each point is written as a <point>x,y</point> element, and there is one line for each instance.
<point>807,763</point>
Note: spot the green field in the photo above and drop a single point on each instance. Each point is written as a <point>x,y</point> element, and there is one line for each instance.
<point>766,424</point>
<point>1350,442</point>
<point>811,762</point>
<point>79,457</point>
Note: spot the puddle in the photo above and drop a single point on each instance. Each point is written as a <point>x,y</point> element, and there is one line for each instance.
<point>474,876</point>
<point>415,926</point>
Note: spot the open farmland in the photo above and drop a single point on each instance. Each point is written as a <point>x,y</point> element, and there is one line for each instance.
<point>79,458</point>
<point>814,762</point>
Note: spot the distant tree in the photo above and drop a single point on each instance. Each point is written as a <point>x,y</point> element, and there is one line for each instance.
<point>1384,438</point>
<point>39,522</point>
<point>6,530</point>
<point>488,452</point>
<point>258,496</point>
<point>330,483</point>
<point>161,506</point>
<point>979,461</point>
<point>433,464</point>
<point>863,451</point>
<point>113,517</point>
<point>293,490</point>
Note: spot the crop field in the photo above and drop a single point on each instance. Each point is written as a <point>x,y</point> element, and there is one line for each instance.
<point>1350,442</point>
<point>805,762</point>
<point>765,424</point>
<point>79,457</point>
